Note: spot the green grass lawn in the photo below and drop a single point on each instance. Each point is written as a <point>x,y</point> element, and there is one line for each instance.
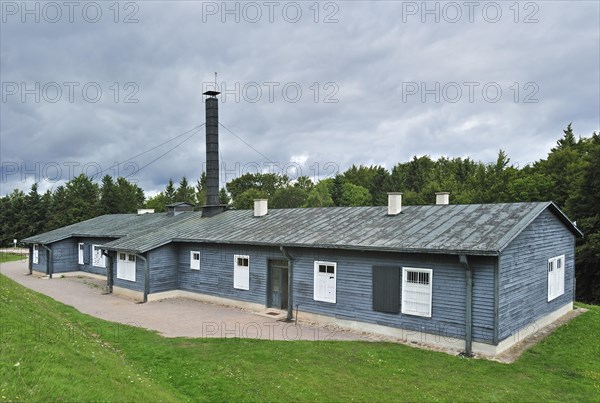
<point>11,257</point>
<point>50,351</point>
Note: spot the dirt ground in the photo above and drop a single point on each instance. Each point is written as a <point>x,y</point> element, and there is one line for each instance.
<point>181,317</point>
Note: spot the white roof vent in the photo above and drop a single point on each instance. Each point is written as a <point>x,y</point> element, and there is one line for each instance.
<point>394,203</point>
<point>260,207</point>
<point>442,198</point>
<point>145,211</point>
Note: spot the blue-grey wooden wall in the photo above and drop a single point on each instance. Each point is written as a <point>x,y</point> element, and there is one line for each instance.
<point>523,279</point>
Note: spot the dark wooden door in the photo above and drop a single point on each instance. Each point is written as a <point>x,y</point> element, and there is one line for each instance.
<point>277,291</point>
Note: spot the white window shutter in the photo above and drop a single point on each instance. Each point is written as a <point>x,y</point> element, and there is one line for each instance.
<point>551,279</point>
<point>560,274</point>
<point>556,277</point>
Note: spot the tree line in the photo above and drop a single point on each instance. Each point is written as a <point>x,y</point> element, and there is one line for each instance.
<point>569,176</point>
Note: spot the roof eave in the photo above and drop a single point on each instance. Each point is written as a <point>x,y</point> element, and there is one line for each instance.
<point>443,251</point>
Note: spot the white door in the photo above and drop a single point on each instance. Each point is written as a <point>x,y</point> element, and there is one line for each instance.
<point>241,272</point>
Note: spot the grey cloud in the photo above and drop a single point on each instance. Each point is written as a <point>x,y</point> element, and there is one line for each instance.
<point>369,55</point>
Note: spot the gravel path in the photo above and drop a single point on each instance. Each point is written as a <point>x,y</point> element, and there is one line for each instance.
<point>178,317</point>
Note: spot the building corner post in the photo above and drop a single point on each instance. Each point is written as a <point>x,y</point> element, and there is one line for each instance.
<point>290,304</point>
<point>49,260</point>
<point>30,260</point>
<point>146,277</point>
<point>109,272</point>
<point>469,306</point>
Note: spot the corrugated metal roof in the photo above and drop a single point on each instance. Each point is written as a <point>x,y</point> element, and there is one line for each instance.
<point>109,226</point>
<point>482,229</point>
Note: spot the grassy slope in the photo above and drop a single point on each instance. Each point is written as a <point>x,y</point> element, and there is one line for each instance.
<point>65,355</point>
<point>11,257</point>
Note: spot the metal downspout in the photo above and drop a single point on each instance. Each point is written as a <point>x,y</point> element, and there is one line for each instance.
<point>146,277</point>
<point>469,306</point>
<point>290,260</point>
<point>49,259</point>
<point>109,272</point>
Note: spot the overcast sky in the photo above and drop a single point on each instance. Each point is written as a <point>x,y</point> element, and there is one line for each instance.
<point>312,88</point>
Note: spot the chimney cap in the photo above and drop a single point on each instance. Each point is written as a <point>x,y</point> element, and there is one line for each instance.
<point>261,208</point>
<point>442,198</point>
<point>394,203</point>
<point>211,93</point>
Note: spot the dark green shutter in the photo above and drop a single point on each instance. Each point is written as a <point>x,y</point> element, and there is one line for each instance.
<point>386,289</point>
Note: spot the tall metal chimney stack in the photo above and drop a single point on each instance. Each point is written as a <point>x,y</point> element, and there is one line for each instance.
<point>212,206</point>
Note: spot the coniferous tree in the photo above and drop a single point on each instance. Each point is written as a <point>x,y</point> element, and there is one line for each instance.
<point>37,211</point>
<point>185,192</point>
<point>170,192</point>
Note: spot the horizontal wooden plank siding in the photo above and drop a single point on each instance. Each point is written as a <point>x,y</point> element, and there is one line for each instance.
<point>163,269</point>
<point>64,256</point>
<point>483,297</point>
<point>170,270</point>
<point>354,291</point>
<point>88,265</point>
<point>524,273</point>
<point>42,264</point>
<point>353,285</point>
<point>215,276</point>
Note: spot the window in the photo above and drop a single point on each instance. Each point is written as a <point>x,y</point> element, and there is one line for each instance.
<point>195,260</point>
<point>416,291</point>
<point>556,277</point>
<point>99,260</point>
<point>80,250</point>
<point>386,289</point>
<point>325,281</point>
<point>126,266</point>
<point>241,272</point>
<point>36,254</point>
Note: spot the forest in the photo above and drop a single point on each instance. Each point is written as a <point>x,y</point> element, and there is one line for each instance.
<point>569,176</point>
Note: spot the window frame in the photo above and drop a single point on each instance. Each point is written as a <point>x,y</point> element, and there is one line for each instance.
<point>406,286</point>
<point>80,253</point>
<point>35,259</point>
<point>319,276</point>
<point>556,277</point>
<point>102,262</point>
<point>241,272</point>
<point>194,263</point>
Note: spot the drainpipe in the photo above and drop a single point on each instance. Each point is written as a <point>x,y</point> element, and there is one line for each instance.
<point>290,260</point>
<point>109,272</point>
<point>146,277</point>
<point>49,258</point>
<point>30,263</point>
<point>469,306</point>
